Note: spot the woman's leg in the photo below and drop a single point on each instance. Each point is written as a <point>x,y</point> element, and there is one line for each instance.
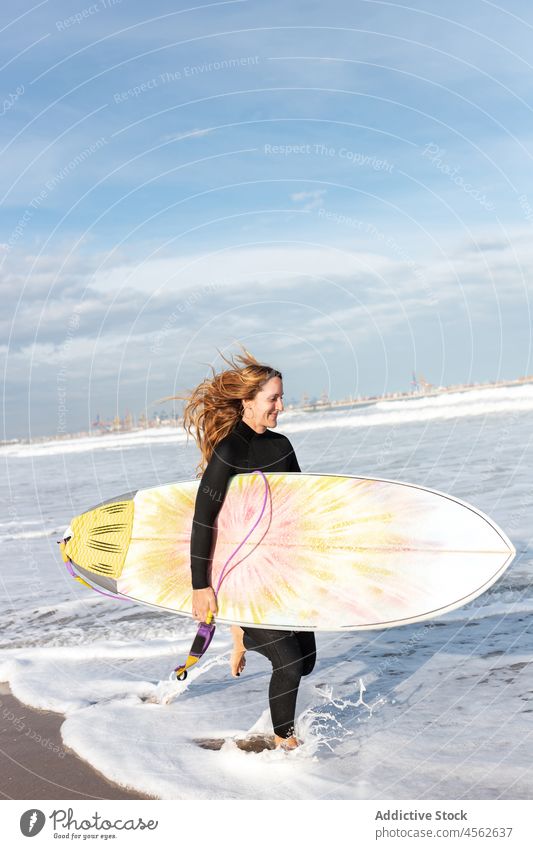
<point>292,655</point>
<point>307,643</point>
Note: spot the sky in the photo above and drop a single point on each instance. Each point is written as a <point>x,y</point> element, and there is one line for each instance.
<point>344,188</point>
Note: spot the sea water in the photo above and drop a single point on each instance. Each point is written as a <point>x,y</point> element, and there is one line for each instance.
<point>440,709</point>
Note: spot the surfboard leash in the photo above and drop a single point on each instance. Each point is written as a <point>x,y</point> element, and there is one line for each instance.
<point>206,630</point>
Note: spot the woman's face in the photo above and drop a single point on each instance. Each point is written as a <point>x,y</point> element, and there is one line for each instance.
<point>266,405</point>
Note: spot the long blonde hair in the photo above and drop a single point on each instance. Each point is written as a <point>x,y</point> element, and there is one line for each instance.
<point>215,406</point>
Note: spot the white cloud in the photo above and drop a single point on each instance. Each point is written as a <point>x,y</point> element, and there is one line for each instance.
<point>189,134</point>
<point>314,199</point>
<point>239,269</point>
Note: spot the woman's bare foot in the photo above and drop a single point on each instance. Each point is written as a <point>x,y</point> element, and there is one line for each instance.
<point>286,743</point>
<point>237,662</point>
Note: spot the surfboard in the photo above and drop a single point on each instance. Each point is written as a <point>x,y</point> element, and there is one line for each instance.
<point>329,553</point>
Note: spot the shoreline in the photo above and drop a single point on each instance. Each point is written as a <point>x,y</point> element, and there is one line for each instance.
<point>317,407</point>
<point>31,748</point>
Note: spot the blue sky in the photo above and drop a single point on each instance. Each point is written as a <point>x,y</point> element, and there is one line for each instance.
<point>345,188</point>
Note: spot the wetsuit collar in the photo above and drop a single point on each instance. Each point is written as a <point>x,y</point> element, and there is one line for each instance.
<point>246,431</point>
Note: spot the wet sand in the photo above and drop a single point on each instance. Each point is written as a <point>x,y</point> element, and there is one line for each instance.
<point>36,765</point>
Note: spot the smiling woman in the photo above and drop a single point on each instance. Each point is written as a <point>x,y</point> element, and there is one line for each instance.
<point>230,416</point>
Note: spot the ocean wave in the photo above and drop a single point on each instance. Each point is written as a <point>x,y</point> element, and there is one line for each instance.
<point>453,406</point>
<point>29,534</point>
<point>107,442</point>
<point>16,523</point>
<point>496,394</point>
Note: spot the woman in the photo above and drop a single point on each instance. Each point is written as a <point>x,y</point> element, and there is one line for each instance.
<point>230,416</point>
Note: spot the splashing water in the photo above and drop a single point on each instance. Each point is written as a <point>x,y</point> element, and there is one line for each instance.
<point>327,724</point>
<point>167,692</point>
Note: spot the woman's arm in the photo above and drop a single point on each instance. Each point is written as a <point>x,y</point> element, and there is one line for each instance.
<point>209,499</point>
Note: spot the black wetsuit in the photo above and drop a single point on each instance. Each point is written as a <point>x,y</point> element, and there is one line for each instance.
<point>292,653</point>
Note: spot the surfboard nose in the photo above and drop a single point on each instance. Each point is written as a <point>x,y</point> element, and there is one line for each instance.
<point>100,538</point>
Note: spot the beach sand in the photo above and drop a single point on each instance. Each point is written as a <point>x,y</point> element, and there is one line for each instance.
<point>36,765</point>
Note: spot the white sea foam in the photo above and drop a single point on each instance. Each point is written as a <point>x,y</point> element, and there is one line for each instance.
<point>141,732</point>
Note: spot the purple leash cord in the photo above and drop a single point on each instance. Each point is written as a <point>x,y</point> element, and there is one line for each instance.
<point>252,529</point>
<point>71,571</point>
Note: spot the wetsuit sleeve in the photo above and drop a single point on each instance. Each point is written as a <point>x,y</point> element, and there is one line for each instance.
<point>293,462</point>
<point>209,498</point>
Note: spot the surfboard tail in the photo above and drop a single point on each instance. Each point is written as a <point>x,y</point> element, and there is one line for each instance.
<point>99,541</point>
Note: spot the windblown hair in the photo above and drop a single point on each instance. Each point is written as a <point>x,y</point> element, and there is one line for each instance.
<point>216,405</point>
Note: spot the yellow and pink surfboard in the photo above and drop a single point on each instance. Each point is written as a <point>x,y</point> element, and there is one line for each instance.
<point>329,552</point>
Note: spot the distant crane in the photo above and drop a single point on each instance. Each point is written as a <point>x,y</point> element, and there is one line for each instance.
<point>101,424</point>
<point>420,384</point>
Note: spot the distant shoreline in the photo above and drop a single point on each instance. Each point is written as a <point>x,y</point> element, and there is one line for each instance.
<point>318,406</point>
<point>407,396</point>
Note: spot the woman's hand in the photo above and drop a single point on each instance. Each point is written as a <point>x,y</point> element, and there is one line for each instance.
<point>203,601</point>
